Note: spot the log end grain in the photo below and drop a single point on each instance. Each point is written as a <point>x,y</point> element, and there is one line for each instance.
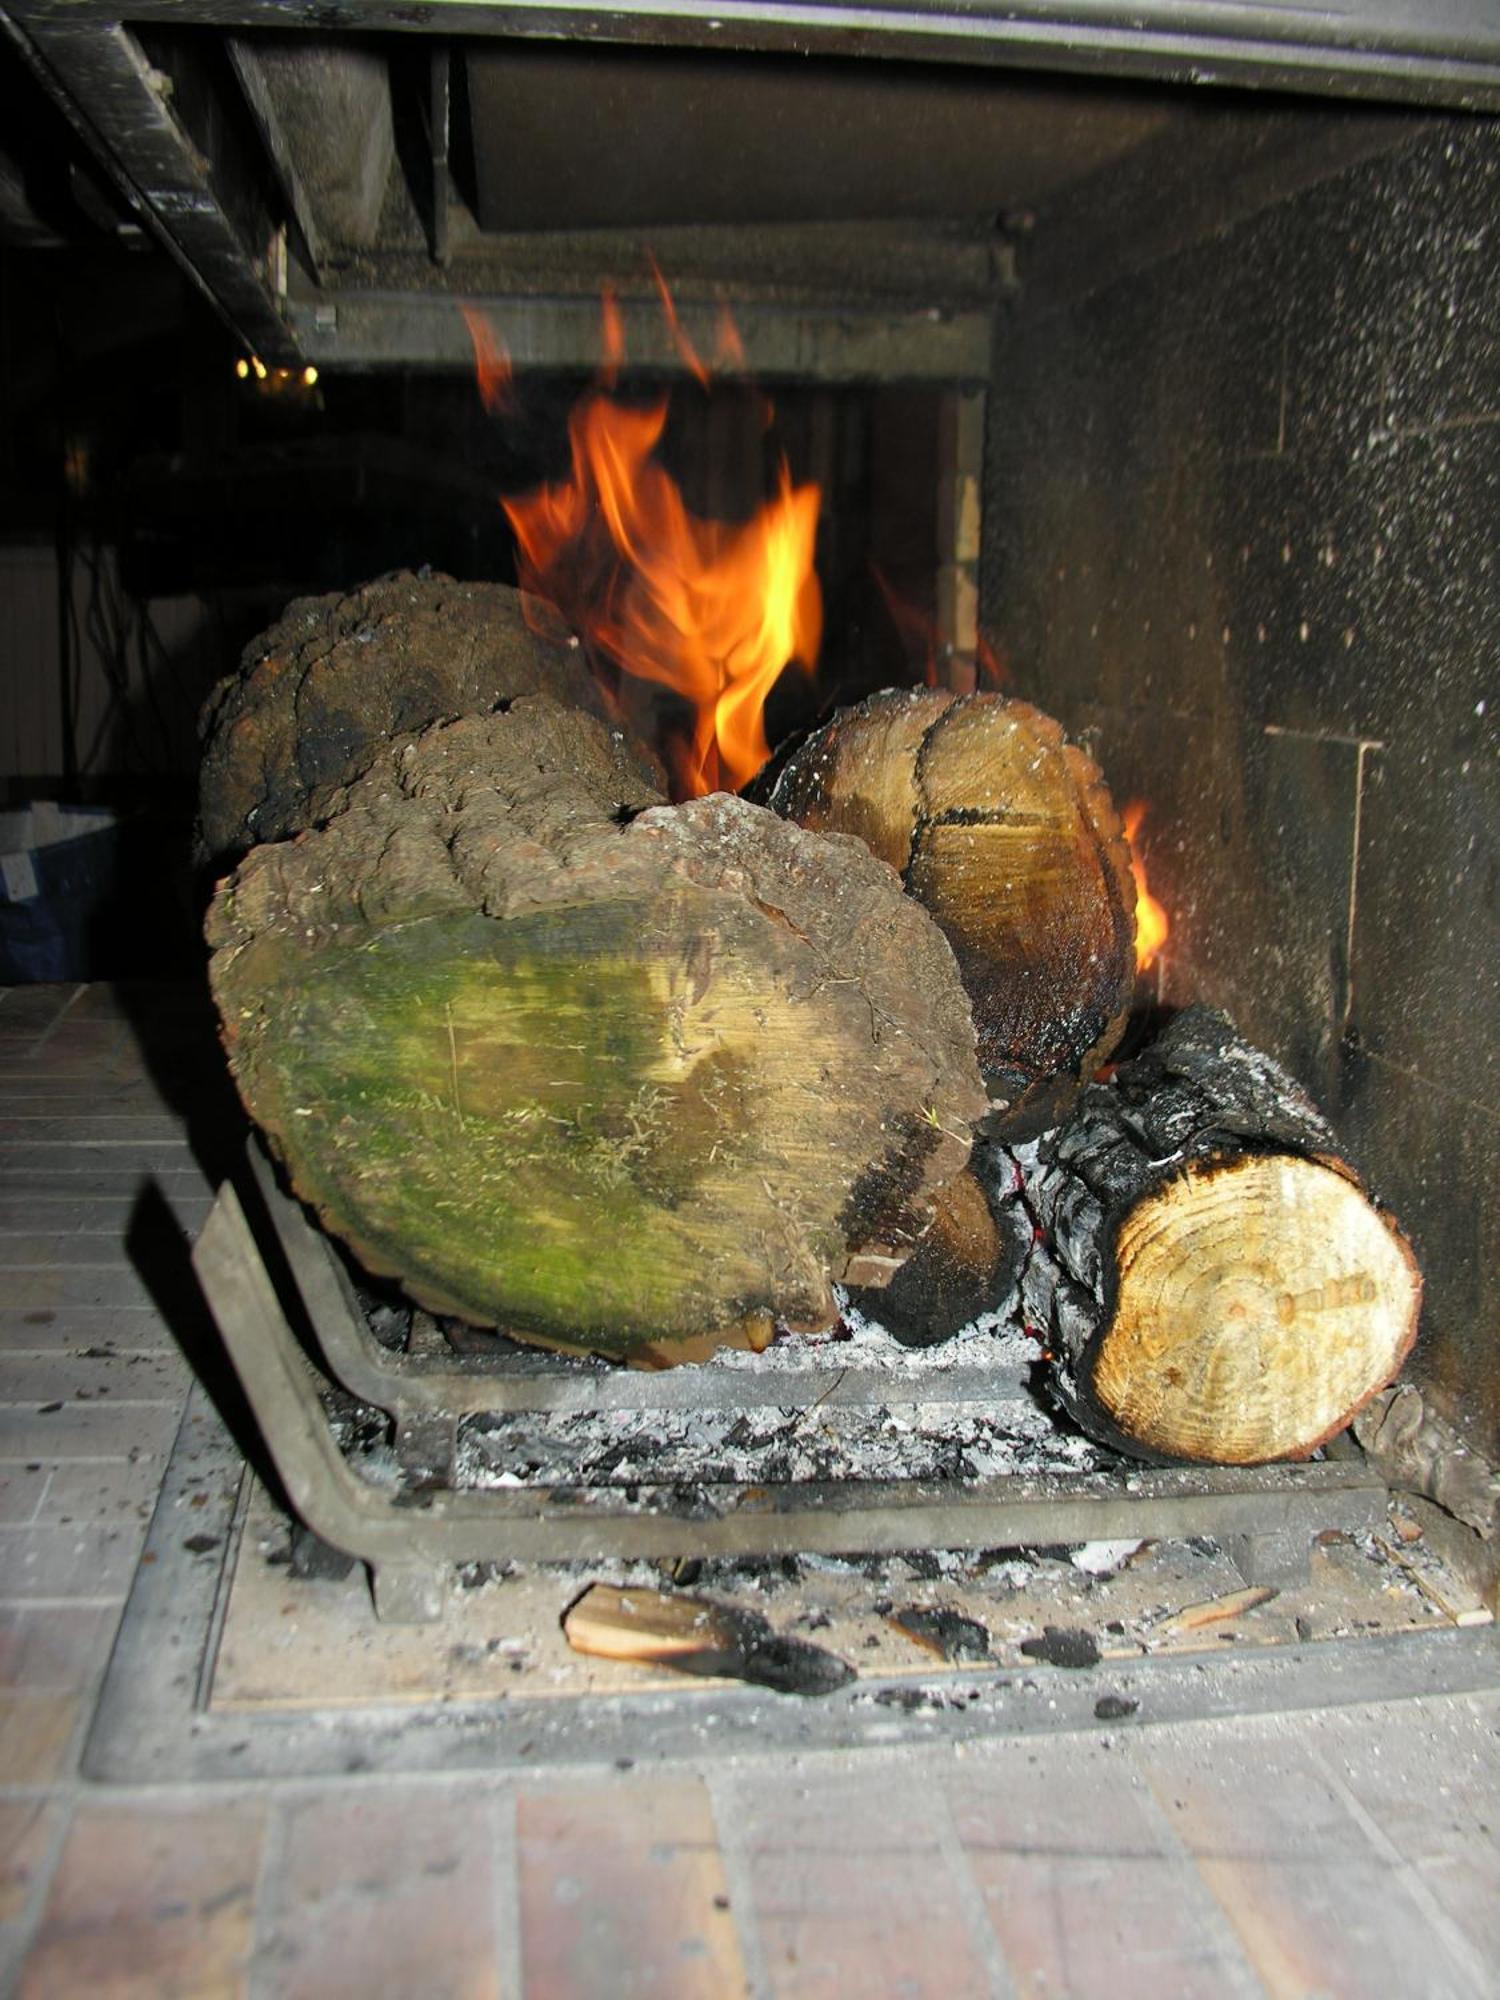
<point>1260,1302</point>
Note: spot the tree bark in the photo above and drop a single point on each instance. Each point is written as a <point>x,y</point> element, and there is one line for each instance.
<point>611,1075</point>
<point>1211,1278</point>
<point>317,696</point>
<point>1007,834</point>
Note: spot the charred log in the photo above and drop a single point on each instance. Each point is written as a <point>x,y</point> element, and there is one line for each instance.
<point>1212,1279</point>
<point>1006,833</point>
<point>608,1074</point>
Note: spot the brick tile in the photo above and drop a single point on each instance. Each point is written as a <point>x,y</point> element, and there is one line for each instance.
<point>56,1647</point>
<point>88,1430</point>
<point>1084,1883</point>
<point>154,1903</point>
<point>22,1484</point>
<point>1431,1785</point>
<point>41,1243</point>
<point>36,1731</point>
<point>87,1125</point>
<point>102,1489</point>
<point>28,1833</point>
<point>140,1364</point>
<point>391,1893</point>
<point>157,1375</point>
<point>854,1893</point>
<point>623,1892</point>
<point>87,1559</point>
<point>47,1330</point>
<point>85,1285</point>
<point>1318,1909</point>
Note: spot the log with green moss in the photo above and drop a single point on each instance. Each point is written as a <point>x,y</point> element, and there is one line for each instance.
<point>608,1074</point>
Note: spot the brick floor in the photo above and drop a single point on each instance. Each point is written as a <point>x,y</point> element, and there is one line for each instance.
<point>623,1891</point>
<point>1346,1853</point>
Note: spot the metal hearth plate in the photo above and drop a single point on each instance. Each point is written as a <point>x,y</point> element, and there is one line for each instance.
<point>176,1707</point>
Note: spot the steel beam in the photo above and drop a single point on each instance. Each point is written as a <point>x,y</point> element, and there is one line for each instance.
<point>1444,52</point>
<point>807,344</point>
<point>121,108</point>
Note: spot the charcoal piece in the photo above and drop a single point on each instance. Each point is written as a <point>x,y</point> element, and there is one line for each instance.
<point>1114,1707</point>
<point>1063,1646</point>
<point>317,1561</point>
<point>943,1631</point>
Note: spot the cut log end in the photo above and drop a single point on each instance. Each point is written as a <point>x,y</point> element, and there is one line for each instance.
<point>1006,833</point>
<point>627,1087</point>
<point>1261,1300</point>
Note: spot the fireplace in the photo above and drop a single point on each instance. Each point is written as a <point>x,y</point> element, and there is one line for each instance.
<point>1198,388</point>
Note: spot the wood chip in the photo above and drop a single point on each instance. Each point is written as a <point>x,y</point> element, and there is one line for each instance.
<point>693,1635</point>
<point>1215,1611</point>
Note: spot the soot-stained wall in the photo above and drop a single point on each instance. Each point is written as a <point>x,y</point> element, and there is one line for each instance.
<point>1243,526</point>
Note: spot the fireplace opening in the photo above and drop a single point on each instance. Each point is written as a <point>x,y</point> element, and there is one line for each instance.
<point>1171,413</point>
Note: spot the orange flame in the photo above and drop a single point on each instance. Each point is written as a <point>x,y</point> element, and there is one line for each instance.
<point>1151,922</point>
<point>492,368</point>
<point>711,610</point>
<point>691,360</point>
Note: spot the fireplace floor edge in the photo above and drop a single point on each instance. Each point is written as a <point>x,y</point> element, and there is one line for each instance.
<point>158,1720</point>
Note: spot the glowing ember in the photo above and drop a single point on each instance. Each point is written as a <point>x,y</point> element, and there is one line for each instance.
<point>1151,922</point>
<point>711,610</point>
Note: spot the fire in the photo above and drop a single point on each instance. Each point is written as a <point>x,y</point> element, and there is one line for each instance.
<point>711,610</point>
<point>492,369</point>
<point>1151,921</point>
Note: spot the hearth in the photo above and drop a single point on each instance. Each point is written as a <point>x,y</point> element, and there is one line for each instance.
<point>1202,386</point>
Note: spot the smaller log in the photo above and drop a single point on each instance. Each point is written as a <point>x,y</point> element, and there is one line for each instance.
<point>1006,833</point>
<point>1212,1279</point>
<point>316,697</point>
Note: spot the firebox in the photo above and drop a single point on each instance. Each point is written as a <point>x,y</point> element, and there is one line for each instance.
<point>1178,405</point>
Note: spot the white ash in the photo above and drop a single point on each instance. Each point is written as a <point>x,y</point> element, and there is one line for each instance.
<point>926,1440</point>
<point>1103,1558</point>
<point>992,1338</point>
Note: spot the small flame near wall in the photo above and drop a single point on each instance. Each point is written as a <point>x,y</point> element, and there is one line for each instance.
<point>1152,925</point>
<point>713,611</point>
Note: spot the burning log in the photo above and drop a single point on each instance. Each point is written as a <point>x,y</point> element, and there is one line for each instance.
<point>1211,1277</point>
<point>612,1075</point>
<point>1006,833</point>
<point>317,696</point>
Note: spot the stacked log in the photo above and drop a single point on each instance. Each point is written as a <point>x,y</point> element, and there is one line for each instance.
<point>320,693</point>
<point>644,1080</point>
<point>1006,833</point>
<point>1211,1279</point>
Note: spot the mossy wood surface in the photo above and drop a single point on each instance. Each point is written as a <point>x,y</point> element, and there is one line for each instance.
<point>316,697</point>
<point>605,1073</point>
<point>1215,1285</point>
<point>1007,834</point>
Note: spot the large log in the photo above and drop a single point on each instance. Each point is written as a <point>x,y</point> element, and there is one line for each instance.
<point>317,696</point>
<point>1006,833</point>
<point>609,1074</point>
<point>1211,1278</point>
